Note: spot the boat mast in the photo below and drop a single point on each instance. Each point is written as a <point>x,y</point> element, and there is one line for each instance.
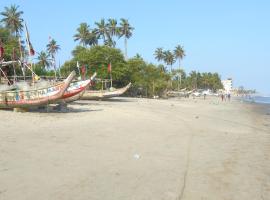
<point>29,50</point>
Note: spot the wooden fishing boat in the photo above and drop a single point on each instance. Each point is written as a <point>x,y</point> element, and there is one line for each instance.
<point>104,94</point>
<point>76,89</point>
<point>19,98</point>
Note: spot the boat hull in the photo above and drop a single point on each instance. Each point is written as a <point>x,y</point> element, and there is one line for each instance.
<point>104,94</point>
<point>36,97</point>
<point>75,90</point>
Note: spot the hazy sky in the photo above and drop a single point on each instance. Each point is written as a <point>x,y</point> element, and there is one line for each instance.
<point>229,37</point>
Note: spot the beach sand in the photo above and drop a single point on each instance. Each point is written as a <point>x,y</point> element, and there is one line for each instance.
<point>129,148</point>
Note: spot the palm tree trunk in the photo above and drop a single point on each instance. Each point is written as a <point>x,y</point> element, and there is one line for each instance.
<point>171,76</point>
<point>179,82</point>
<point>54,66</point>
<point>126,48</point>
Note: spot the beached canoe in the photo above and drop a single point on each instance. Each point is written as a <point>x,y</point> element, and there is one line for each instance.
<point>20,98</point>
<point>104,94</point>
<point>76,90</point>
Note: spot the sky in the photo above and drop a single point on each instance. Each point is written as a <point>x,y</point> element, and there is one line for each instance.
<point>229,37</point>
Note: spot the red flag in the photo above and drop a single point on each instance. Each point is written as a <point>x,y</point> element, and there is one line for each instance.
<point>83,70</point>
<point>1,50</point>
<point>109,67</point>
<point>31,51</point>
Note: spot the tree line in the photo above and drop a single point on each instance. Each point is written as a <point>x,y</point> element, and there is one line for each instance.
<point>97,48</point>
<point>104,31</point>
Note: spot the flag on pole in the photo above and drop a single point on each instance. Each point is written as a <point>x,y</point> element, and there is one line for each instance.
<point>30,47</point>
<point>1,50</point>
<point>83,69</point>
<point>109,67</point>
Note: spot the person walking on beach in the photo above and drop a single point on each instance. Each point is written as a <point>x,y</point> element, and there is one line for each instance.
<point>229,97</point>
<point>222,97</point>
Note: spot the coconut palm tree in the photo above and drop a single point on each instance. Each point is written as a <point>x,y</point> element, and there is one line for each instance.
<point>101,30</point>
<point>92,39</point>
<point>169,58</point>
<point>52,49</point>
<point>112,27</point>
<point>43,59</point>
<point>109,42</point>
<point>82,34</point>
<point>179,53</point>
<point>126,31</point>
<point>159,54</point>
<point>113,30</point>
<point>12,19</point>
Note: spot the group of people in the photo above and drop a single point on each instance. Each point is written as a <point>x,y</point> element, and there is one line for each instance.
<point>225,97</point>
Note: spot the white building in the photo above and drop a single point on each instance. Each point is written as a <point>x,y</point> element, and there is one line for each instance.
<point>228,85</point>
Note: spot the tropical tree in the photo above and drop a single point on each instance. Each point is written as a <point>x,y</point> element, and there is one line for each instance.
<point>12,19</point>
<point>169,58</point>
<point>159,55</point>
<point>43,59</point>
<point>101,30</point>
<point>112,27</point>
<point>179,53</point>
<point>125,30</point>
<point>52,49</point>
<point>113,31</point>
<point>83,34</point>
<point>92,39</point>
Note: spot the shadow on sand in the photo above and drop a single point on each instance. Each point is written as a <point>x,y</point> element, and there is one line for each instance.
<point>117,100</point>
<point>55,109</point>
<point>99,102</point>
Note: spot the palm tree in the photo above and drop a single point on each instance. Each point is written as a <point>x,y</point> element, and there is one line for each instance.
<point>82,34</point>
<point>169,58</point>
<point>113,30</point>
<point>179,53</point>
<point>12,19</point>
<point>52,49</point>
<point>112,27</point>
<point>101,30</point>
<point>92,39</point>
<point>126,31</point>
<point>159,54</point>
<point>109,42</point>
<point>43,59</point>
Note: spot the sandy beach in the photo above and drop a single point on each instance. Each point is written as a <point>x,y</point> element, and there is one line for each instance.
<point>129,148</point>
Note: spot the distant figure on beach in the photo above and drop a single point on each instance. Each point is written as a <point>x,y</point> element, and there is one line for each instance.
<point>204,96</point>
<point>229,97</point>
<point>222,97</point>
